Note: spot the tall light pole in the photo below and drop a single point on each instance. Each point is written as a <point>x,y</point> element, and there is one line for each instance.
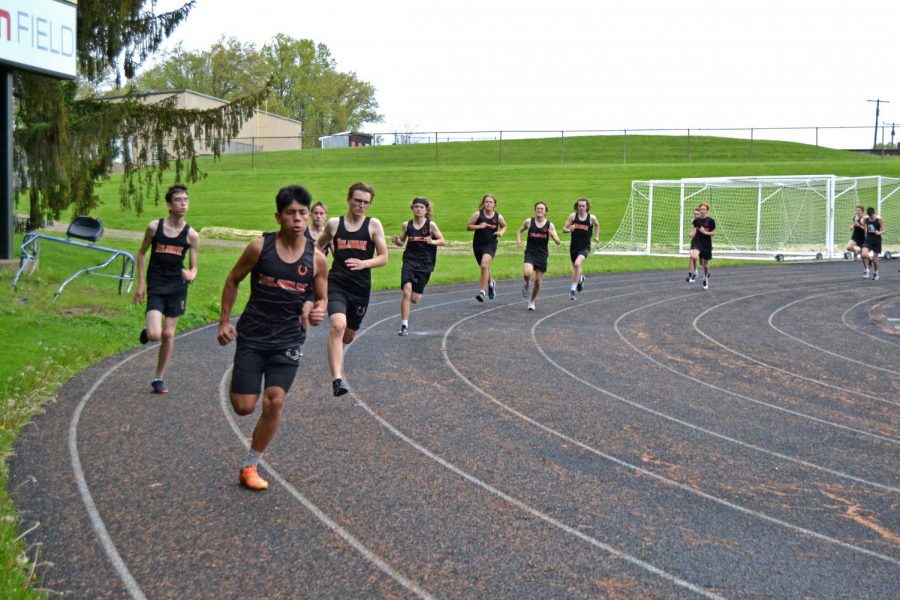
<point>877,112</point>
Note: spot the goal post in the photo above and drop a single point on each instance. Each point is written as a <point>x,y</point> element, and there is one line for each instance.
<point>796,216</point>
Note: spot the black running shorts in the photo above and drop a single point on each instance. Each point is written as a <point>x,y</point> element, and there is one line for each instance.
<point>418,279</point>
<point>538,261</point>
<point>353,307</point>
<point>251,365</point>
<point>873,244</point>
<point>170,305</point>
<point>574,253</point>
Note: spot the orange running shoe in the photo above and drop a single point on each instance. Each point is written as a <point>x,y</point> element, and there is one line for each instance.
<point>250,479</point>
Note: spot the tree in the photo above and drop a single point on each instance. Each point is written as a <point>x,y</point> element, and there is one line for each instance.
<point>66,142</point>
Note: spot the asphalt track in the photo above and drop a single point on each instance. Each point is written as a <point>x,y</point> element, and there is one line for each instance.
<point>651,440</point>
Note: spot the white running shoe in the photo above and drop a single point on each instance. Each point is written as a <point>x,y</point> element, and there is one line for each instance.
<point>572,295</point>
<point>531,306</point>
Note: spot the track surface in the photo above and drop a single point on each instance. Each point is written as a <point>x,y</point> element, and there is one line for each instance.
<point>650,440</point>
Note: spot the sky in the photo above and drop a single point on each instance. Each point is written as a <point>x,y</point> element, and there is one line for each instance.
<point>470,65</point>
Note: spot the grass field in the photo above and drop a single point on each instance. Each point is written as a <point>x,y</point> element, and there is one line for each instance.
<point>46,342</point>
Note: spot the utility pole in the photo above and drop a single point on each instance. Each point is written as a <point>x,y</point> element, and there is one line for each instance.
<point>877,112</point>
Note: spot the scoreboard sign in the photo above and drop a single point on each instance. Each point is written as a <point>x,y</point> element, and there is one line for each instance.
<point>39,35</point>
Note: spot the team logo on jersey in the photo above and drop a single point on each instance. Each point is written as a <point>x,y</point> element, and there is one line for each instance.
<point>302,270</point>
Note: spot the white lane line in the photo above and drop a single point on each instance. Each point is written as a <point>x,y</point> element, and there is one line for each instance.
<point>866,333</point>
<point>819,348</point>
<point>514,501</point>
<point>109,547</point>
<point>749,398</point>
<point>638,468</point>
<point>851,392</point>
<point>342,533</point>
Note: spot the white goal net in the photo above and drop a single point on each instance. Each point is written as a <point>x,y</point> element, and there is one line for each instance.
<point>801,216</point>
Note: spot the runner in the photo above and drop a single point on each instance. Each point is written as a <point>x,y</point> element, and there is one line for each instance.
<point>582,225</point>
<point>318,216</point>
<point>489,226</point>
<point>358,246</point>
<point>166,283</point>
<point>857,232</point>
<point>702,231</point>
<point>284,268</point>
<point>421,237</point>
<point>693,263</point>
<point>872,246</point>
<point>536,249</point>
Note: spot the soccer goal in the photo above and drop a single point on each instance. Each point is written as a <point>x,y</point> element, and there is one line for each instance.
<point>796,216</point>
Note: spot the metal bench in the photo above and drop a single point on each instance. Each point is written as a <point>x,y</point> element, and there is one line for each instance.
<point>82,228</point>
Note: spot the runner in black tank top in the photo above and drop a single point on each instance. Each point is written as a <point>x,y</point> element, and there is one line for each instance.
<point>857,233</point>
<point>419,257</point>
<point>540,231</point>
<point>284,268</point>
<point>488,226</point>
<point>358,245</point>
<point>584,228</point>
<point>166,283</point>
<point>318,216</point>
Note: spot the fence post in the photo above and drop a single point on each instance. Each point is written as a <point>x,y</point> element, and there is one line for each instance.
<point>751,144</point>
<point>501,148</point>
<point>689,157</point>
<point>624,146</point>
<point>252,152</point>
<point>817,142</point>
<point>562,137</point>
<point>436,162</point>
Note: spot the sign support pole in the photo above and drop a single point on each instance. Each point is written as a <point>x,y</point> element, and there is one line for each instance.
<point>7,200</point>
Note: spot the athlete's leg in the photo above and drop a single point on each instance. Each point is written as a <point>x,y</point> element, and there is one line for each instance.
<point>538,278</point>
<point>405,299</point>
<point>576,268</point>
<point>486,260</point>
<point>269,419</point>
<point>865,258</point>
<point>704,262</point>
<point>167,342</point>
<point>527,272</point>
<point>336,344</point>
<point>154,325</point>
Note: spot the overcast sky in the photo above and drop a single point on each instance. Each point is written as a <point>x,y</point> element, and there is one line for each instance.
<point>593,64</point>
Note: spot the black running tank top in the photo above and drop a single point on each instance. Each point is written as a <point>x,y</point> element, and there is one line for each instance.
<point>352,244</point>
<point>419,253</point>
<point>538,238</point>
<point>488,235</point>
<point>167,260</point>
<point>271,320</point>
<point>581,233</point>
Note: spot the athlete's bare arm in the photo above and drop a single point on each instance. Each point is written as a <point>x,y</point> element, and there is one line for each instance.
<point>239,271</point>
<point>188,275</point>
<point>567,228</point>
<point>519,231</point>
<point>596,224</point>
<point>502,226</point>
<point>320,289</point>
<point>553,235</point>
<point>473,224</point>
<point>400,240</point>
<point>327,233</point>
<point>436,238</point>
<point>141,291</point>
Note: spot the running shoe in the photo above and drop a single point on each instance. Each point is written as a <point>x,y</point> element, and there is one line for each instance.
<point>491,292</point>
<point>251,480</point>
<point>875,276</point>
<point>690,278</point>
<point>525,288</point>
<point>159,387</point>
<point>404,330</point>
<point>338,387</point>
<point>866,274</point>
<point>143,337</point>
<point>531,306</point>
<point>480,296</point>
<point>706,283</point>
<point>572,295</point>
<point>580,285</point>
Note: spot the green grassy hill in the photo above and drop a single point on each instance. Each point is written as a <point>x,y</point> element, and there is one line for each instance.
<point>239,189</point>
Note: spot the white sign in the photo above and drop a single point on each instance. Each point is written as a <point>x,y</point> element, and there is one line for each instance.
<point>39,35</point>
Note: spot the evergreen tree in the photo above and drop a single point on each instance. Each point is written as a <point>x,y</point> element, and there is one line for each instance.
<point>66,142</point>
